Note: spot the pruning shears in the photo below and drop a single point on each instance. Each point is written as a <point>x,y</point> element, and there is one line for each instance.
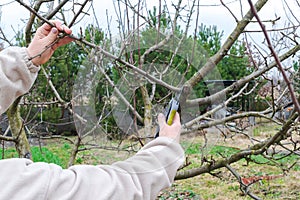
<point>171,110</point>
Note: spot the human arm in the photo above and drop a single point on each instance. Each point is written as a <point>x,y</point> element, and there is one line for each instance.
<point>17,75</point>
<point>141,176</point>
<point>18,70</point>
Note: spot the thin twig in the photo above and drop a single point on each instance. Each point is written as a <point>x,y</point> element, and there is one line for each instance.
<point>277,60</point>
<point>235,18</point>
<point>243,187</point>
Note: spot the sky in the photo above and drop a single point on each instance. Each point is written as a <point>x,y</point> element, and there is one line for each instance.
<point>212,12</point>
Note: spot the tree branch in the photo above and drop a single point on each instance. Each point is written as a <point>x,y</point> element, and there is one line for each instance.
<point>277,60</point>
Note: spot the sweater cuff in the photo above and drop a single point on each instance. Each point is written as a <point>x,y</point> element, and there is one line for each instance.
<point>31,67</point>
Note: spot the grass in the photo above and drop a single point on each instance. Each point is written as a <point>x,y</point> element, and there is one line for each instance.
<point>52,153</point>
<point>209,187</point>
<point>265,129</point>
<point>226,186</point>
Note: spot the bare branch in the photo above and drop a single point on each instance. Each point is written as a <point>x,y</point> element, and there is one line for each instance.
<point>277,60</point>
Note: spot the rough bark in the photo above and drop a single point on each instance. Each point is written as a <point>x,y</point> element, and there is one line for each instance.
<point>18,131</point>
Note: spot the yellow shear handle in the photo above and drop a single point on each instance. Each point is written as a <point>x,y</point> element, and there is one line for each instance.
<point>171,117</point>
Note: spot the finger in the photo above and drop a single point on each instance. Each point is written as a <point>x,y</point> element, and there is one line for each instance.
<point>161,120</point>
<point>44,30</point>
<point>176,118</point>
<point>58,25</point>
<point>62,42</point>
<point>46,27</point>
<point>67,30</point>
<point>52,36</point>
<point>61,27</point>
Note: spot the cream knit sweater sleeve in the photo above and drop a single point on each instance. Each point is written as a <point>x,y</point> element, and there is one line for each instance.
<point>17,74</point>
<point>140,177</point>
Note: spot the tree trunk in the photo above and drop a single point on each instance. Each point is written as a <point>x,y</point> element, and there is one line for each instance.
<point>17,130</point>
<point>147,111</point>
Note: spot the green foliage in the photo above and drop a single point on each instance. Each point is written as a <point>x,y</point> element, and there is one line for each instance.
<point>282,160</point>
<point>165,20</point>
<point>184,57</point>
<point>45,155</point>
<point>234,187</point>
<point>296,65</point>
<point>194,148</point>
<point>223,150</point>
<point>233,66</point>
<point>296,79</point>
<point>20,41</point>
<point>50,115</point>
<point>57,154</point>
<point>9,153</point>
<point>63,67</point>
<point>179,195</point>
<point>93,34</point>
<point>210,38</point>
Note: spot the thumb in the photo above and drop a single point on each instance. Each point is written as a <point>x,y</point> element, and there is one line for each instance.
<point>161,120</point>
<point>52,35</point>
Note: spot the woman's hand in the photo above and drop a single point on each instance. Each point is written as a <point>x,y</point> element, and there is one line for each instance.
<point>171,131</point>
<point>46,41</point>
